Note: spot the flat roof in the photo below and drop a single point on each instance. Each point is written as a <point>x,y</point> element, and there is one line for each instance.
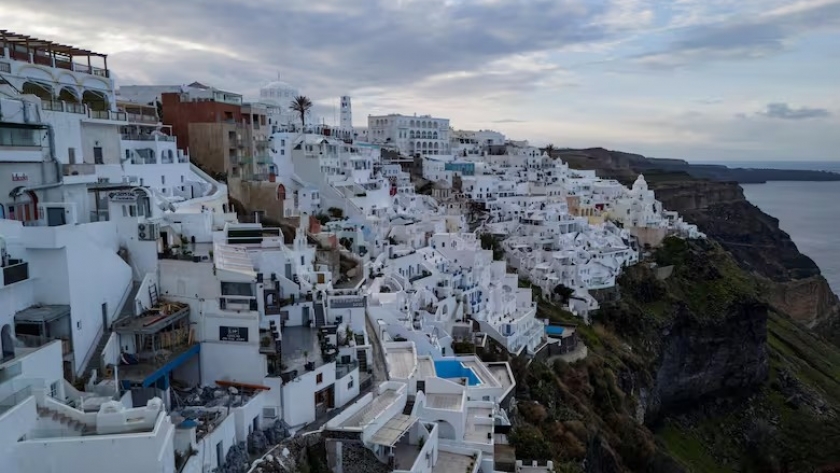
<point>370,411</point>
<point>390,433</point>
<point>425,368</point>
<point>448,462</point>
<point>450,402</point>
<point>10,37</point>
<point>42,314</point>
<point>400,362</point>
<point>233,258</point>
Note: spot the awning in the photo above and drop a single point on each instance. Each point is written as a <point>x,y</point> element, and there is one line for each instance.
<point>390,433</point>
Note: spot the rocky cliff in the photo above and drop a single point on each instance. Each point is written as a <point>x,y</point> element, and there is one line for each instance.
<point>689,372</point>
<point>794,284</point>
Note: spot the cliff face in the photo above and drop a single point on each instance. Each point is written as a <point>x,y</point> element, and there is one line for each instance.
<point>699,360</point>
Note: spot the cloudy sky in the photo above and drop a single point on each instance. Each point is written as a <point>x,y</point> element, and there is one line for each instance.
<point>692,79</point>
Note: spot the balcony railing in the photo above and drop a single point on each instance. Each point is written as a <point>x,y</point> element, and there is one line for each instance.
<point>107,115</point>
<point>14,399</point>
<point>5,67</point>
<point>142,137</point>
<point>142,118</point>
<point>238,303</point>
<point>16,271</point>
<point>79,169</point>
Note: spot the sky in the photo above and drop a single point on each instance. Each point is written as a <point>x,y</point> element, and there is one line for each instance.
<point>707,80</point>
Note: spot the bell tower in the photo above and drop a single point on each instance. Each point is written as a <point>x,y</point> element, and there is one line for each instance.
<point>346,119</point>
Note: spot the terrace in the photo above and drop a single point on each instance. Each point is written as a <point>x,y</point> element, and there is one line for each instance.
<point>163,340</point>
<point>25,48</point>
<point>38,325</point>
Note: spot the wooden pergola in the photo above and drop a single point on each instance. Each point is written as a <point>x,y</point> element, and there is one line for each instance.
<point>57,53</point>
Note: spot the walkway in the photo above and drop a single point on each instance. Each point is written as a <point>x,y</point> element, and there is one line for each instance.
<point>380,373</point>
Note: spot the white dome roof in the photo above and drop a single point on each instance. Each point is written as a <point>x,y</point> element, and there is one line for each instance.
<point>278,85</point>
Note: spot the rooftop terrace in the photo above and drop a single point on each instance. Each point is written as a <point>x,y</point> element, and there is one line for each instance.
<point>370,411</point>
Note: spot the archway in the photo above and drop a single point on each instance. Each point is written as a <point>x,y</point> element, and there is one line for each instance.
<point>67,94</point>
<point>25,208</point>
<point>281,192</point>
<point>445,430</point>
<point>96,101</point>
<point>43,91</point>
<point>7,341</point>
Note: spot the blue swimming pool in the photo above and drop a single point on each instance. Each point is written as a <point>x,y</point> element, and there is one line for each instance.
<point>449,369</point>
<point>554,330</point>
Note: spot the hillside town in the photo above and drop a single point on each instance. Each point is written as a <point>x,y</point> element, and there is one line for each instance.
<point>192,278</point>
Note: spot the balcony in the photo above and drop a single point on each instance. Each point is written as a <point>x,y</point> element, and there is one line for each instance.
<point>238,303</point>
<point>142,118</point>
<point>16,271</point>
<point>14,399</point>
<point>107,115</point>
<point>145,137</point>
<point>79,169</point>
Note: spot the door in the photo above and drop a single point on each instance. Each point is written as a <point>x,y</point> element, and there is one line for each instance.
<point>305,316</point>
<point>104,316</point>
<point>55,216</point>
<point>289,271</point>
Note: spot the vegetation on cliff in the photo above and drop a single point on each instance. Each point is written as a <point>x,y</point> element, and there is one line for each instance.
<point>688,371</point>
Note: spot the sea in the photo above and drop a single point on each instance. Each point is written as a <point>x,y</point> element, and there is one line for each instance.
<point>808,211</point>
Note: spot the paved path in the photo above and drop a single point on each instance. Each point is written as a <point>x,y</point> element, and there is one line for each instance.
<point>380,373</point>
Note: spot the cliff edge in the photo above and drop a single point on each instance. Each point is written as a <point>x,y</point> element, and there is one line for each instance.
<point>793,282</point>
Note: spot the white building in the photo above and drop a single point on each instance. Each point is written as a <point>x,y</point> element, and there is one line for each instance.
<point>432,416</point>
<point>410,134</point>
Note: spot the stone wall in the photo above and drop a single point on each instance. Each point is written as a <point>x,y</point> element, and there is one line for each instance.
<point>257,195</point>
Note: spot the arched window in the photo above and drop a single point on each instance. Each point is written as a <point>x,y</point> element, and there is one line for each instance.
<point>281,192</point>
<point>435,135</point>
<point>411,134</point>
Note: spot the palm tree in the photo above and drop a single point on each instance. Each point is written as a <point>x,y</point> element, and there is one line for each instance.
<point>549,148</point>
<point>301,104</point>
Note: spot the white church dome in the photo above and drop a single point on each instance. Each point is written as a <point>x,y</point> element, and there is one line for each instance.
<point>279,92</point>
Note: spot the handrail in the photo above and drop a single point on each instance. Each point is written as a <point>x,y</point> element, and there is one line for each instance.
<point>92,349</point>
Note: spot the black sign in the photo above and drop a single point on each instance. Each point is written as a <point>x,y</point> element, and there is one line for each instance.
<point>351,302</point>
<point>233,334</point>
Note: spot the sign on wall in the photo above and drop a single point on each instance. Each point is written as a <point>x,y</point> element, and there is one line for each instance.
<point>351,302</point>
<point>233,334</point>
<point>122,196</point>
<point>20,177</point>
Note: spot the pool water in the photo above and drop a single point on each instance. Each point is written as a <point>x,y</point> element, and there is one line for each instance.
<point>449,369</point>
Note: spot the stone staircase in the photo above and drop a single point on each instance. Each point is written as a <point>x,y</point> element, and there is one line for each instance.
<point>320,319</point>
<point>64,420</point>
<point>409,406</point>
<point>361,355</point>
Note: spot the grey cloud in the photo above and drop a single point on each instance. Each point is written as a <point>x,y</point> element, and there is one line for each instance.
<point>742,38</point>
<point>327,48</point>
<point>509,120</point>
<point>785,112</point>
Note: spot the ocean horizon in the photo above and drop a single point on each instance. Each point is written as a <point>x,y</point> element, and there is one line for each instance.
<point>833,166</point>
<point>806,210</point>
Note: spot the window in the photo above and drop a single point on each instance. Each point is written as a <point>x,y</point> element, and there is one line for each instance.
<point>97,155</point>
<point>319,378</point>
<point>71,154</point>
<point>182,178</point>
<point>132,210</point>
<point>163,180</point>
<point>220,455</point>
<point>350,384</point>
<point>237,289</point>
<point>54,390</point>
